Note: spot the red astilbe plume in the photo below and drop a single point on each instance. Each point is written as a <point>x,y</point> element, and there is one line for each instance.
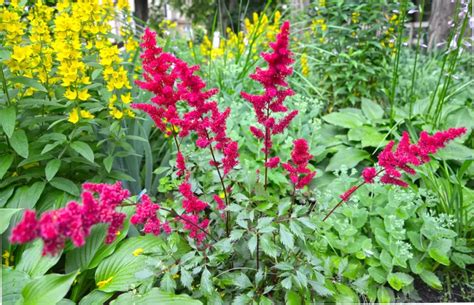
<point>403,159</point>
<point>146,214</point>
<point>300,174</point>
<point>74,221</point>
<point>273,79</point>
<point>407,155</point>
<point>172,81</point>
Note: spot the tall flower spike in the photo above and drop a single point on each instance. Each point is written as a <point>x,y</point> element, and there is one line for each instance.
<point>273,80</point>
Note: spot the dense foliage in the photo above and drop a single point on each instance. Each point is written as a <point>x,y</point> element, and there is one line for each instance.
<point>336,166</point>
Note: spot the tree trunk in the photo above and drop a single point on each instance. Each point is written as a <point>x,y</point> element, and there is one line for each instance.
<point>141,9</point>
<point>442,12</point>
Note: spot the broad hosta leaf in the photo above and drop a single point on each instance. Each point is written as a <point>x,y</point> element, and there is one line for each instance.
<point>96,297</point>
<point>455,151</point>
<point>154,296</point>
<point>117,272</point>
<point>19,143</point>
<point>343,119</point>
<point>367,135</point>
<point>52,168</point>
<point>431,279</point>
<point>35,264</point>
<point>8,118</point>
<point>83,149</point>
<point>27,196</point>
<point>80,258</point>
<point>5,163</point>
<point>48,289</point>
<point>13,282</point>
<point>65,185</point>
<point>398,280</point>
<point>5,216</point>
<point>348,157</point>
<point>371,110</point>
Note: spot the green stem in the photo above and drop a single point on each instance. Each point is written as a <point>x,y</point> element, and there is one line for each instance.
<point>413,75</point>
<point>4,83</point>
<point>397,62</point>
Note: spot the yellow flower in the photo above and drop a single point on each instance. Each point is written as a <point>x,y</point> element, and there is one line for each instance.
<point>126,98</point>
<point>116,113</point>
<point>74,116</point>
<point>21,53</point>
<point>104,283</point>
<point>304,64</point>
<point>138,251</point>
<point>83,95</point>
<point>70,94</point>
<point>222,195</point>
<point>129,113</point>
<point>86,114</point>
<point>6,256</point>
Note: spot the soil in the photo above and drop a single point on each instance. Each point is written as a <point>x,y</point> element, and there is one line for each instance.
<point>460,292</point>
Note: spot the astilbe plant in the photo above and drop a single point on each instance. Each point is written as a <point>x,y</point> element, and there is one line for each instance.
<point>181,108</point>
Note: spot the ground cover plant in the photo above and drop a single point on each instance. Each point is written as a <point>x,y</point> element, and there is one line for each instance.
<point>137,167</point>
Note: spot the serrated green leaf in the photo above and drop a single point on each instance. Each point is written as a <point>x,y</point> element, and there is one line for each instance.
<point>186,278</point>
<point>286,237</point>
<point>207,286</point>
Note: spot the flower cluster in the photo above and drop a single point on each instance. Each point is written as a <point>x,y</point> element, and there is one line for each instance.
<point>276,90</point>
<point>74,221</point>
<point>146,214</point>
<point>300,174</point>
<point>407,155</point>
<point>173,81</point>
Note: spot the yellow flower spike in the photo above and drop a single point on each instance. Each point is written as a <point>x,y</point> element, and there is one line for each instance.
<point>126,98</point>
<point>129,113</point>
<point>86,114</point>
<point>6,256</point>
<point>74,116</point>
<point>104,283</point>
<point>221,195</point>
<point>83,95</point>
<point>138,251</point>
<point>70,94</point>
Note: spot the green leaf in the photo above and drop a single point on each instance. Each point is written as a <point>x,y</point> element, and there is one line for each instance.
<point>117,272</point>
<point>367,135</point>
<point>384,295</point>
<point>154,296</point>
<point>207,286</point>
<point>48,289</point>
<point>34,263</point>
<point>252,244</point>
<point>5,164</point>
<point>268,246</point>
<point>455,151</point>
<point>386,260</point>
<point>13,283</point>
<point>462,259</point>
<point>8,120</point>
<point>28,82</point>
<point>5,216</point>
<point>349,157</point>
<point>83,149</point>
<point>345,295</point>
<point>439,249</point>
<point>80,258</point>
<point>186,278</point>
<point>52,168</point>
<point>286,237</point>
<point>398,280</point>
<point>293,298</point>
<point>343,119</point>
<point>19,143</point>
<point>378,274</point>
<point>431,279</point>
<point>96,297</point>
<point>108,162</point>
<point>371,110</point>
<point>65,185</point>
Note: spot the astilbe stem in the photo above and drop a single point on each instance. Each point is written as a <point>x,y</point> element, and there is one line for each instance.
<point>403,159</point>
